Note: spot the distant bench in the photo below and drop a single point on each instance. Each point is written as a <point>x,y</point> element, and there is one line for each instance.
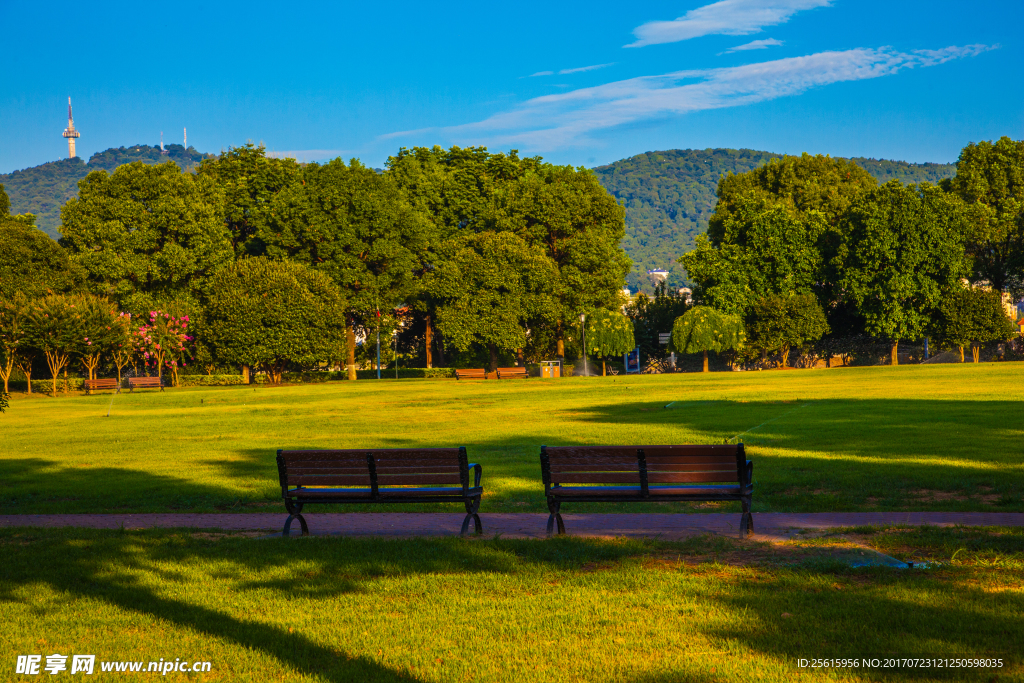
<point>145,383</point>
<point>648,474</point>
<point>512,373</point>
<point>470,373</point>
<point>92,385</point>
<point>398,475</point>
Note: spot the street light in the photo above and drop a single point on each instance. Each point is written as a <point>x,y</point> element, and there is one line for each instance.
<point>583,322</point>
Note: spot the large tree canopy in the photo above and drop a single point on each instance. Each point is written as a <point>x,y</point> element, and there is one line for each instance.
<point>249,181</point>
<point>779,323</point>
<point>969,316</point>
<point>268,314</point>
<point>147,234</point>
<point>31,262</point>
<point>608,333</point>
<point>904,247</point>
<point>990,180</point>
<point>487,289</point>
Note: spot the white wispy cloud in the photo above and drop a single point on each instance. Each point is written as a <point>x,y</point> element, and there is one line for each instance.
<point>753,45</point>
<point>568,119</point>
<point>580,69</point>
<point>727,17</point>
<point>542,73</point>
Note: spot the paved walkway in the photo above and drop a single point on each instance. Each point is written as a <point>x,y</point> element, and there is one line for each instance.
<point>520,525</point>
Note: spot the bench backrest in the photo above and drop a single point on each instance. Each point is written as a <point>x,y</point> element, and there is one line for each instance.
<point>472,373</point>
<point>374,468</point>
<point>145,381</point>
<point>513,372</point>
<point>101,383</point>
<point>643,465</point>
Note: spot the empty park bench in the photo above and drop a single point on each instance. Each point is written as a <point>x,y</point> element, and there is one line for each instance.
<point>470,373</point>
<point>646,473</point>
<point>92,385</point>
<point>145,383</point>
<point>512,373</point>
<point>390,475</point>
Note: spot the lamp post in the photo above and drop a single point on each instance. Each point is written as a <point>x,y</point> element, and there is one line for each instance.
<point>583,322</point>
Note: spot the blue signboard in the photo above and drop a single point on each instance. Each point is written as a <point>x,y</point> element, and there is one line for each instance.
<point>632,361</point>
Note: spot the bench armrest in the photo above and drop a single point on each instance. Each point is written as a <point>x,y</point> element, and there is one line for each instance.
<point>478,471</point>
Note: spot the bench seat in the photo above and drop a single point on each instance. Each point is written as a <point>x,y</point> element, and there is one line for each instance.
<point>646,474</point>
<point>387,475</point>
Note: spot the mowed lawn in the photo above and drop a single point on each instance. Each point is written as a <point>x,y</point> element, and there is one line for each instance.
<point>330,609</point>
<point>946,437</point>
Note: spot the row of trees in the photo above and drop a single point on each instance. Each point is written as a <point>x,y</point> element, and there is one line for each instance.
<point>811,247</point>
<point>272,264</point>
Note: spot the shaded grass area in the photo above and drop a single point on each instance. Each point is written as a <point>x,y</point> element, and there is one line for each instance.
<point>335,609</point>
<point>907,438</point>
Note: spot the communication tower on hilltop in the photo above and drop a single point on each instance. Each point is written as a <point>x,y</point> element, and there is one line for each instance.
<point>70,133</point>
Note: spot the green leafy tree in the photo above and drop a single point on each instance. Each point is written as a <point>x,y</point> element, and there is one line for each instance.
<point>146,235</point>
<point>354,225</point>
<point>12,334</point>
<point>249,182</point>
<point>780,323</point>
<point>267,314</point>
<point>30,261</point>
<point>57,325</point>
<point>609,333</point>
<point>654,316</point>
<point>565,211</point>
<point>164,341</point>
<point>104,332</point>
<point>972,316</point>
<point>4,398</point>
<point>487,289</point>
<point>990,181</point>
<point>904,247</point>
<point>703,329</point>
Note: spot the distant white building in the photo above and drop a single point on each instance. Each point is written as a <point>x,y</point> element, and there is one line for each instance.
<point>657,275</point>
<point>687,294</point>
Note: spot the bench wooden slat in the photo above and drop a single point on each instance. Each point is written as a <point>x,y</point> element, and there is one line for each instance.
<point>411,463</point>
<point>682,477</point>
<point>693,467</point>
<point>417,479</point>
<point>470,373</point>
<point>600,478</point>
<point>329,480</point>
<point>335,493</point>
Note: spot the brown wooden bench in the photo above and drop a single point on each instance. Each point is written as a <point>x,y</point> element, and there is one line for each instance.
<point>92,385</point>
<point>145,383</point>
<point>646,473</point>
<point>470,373</point>
<point>512,373</point>
<point>398,475</point>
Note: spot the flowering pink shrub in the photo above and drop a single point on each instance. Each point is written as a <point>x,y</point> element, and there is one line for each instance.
<point>164,342</point>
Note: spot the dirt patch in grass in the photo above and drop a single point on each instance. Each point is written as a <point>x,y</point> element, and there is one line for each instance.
<point>935,496</point>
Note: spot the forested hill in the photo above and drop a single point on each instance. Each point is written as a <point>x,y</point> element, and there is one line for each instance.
<point>42,190</point>
<point>670,195</point>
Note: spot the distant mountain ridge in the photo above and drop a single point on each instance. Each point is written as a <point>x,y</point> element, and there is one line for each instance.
<point>669,196</point>
<point>43,190</point>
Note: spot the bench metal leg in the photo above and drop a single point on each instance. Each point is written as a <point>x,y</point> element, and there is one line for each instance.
<point>747,520</point>
<point>471,514</point>
<point>554,506</point>
<point>294,510</point>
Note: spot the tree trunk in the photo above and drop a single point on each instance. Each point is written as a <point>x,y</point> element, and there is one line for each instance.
<point>350,359</point>
<point>976,352</point>
<point>961,354</point>
<point>603,373</point>
<point>895,352</point>
<point>828,360</point>
<point>429,337</point>
<point>705,361</point>
<point>26,369</point>
<point>7,370</point>
<point>65,381</point>
<point>785,355</point>
<point>494,357</point>
<point>520,361</point>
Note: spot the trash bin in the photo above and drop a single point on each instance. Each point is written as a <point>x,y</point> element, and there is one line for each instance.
<point>550,369</point>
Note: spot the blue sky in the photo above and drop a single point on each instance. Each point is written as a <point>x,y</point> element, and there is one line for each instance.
<point>580,83</point>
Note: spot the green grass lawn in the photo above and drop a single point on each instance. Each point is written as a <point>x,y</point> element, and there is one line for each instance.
<point>332,609</point>
<point>944,437</point>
